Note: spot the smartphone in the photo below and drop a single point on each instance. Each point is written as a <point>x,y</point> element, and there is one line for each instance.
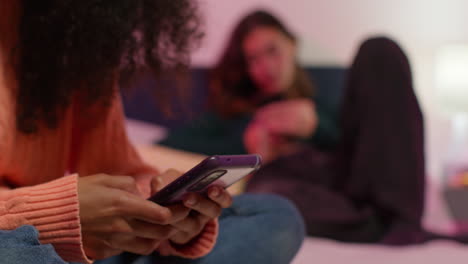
<point>222,170</point>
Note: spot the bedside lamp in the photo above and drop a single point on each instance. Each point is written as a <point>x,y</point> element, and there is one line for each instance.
<point>451,81</point>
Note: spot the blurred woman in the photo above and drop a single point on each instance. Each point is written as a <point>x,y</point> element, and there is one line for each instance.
<point>261,99</point>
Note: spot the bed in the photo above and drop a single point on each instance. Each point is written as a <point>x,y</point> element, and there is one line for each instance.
<point>319,251</point>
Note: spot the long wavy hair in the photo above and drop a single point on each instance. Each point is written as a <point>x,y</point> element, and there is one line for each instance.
<point>68,48</point>
<point>231,88</point>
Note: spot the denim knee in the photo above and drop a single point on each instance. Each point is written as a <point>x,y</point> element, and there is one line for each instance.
<point>280,216</point>
<point>289,222</point>
<point>22,246</point>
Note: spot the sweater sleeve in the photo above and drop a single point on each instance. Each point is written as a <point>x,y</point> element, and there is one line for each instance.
<point>117,156</point>
<point>52,208</point>
<point>198,247</point>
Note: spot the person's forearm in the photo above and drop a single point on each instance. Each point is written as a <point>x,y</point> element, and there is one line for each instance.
<point>52,208</point>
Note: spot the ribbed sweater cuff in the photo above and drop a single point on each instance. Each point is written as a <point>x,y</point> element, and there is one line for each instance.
<point>53,209</point>
<point>200,246</point>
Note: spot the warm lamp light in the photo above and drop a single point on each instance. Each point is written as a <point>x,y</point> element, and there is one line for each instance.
<point>451,78</point>
<point>451,81</point>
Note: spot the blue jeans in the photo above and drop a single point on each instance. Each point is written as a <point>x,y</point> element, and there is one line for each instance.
<point>22,246</point>
<point>256,229</point>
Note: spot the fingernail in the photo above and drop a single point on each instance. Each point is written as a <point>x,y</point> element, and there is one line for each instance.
<point>159,180</point>
<point>215,192</point>
<point>191,201</point>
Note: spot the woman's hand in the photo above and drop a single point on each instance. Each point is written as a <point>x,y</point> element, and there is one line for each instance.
<point>258,140</point>
<point>291,118</point>
<point>275,127</point>
<point>203,209</point>
<point>114,218</point>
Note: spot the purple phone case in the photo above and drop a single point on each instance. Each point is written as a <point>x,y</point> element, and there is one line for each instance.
<point>175,191</point>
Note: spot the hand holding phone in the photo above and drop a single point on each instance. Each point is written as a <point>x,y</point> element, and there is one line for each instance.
<point>220,171</point>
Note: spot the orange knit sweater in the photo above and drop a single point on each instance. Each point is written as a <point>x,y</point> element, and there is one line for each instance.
<point>33,189</point>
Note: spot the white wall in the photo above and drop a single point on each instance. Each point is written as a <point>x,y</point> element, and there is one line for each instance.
<point>331,30</point>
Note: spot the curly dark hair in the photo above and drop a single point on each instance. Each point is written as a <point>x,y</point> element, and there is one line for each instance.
<point>68,48</point>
